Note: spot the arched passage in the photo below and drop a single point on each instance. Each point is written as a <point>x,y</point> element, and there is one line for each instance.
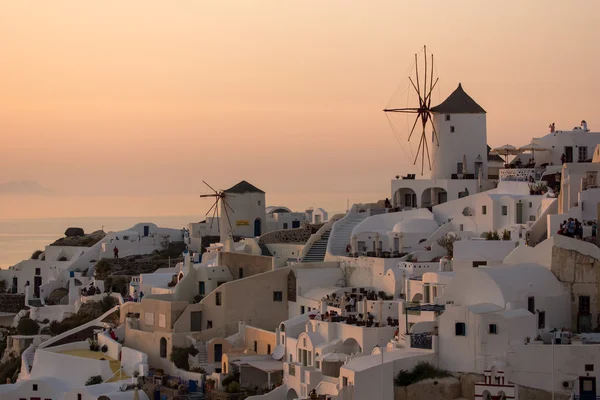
<point>351,346</point>
<point>291,395</point>
<point>433,196</point>
<point>405,198</point>
<point>163,347</point>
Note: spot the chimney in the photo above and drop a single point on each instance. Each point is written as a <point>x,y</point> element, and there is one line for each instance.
<point>584,126</point>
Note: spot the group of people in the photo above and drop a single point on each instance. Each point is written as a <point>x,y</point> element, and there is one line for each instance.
<point>135,298</point>
<point>109,333</point>
<point>90,291</point>
<point>571,228</point>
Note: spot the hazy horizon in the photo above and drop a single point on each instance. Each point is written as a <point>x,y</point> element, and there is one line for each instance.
<point>123,107</point>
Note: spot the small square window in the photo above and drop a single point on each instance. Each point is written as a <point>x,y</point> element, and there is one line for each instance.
<point>218,298</point>
<point>255,346</point>
<point>530,205</point>
<point>504,210</point>
<point>460,329</point>
<point>35,388</point>
<point>484,210</point>
<point>452,129</point>
<point>461,227</point>
<point>208,324</point>
<point>493,329</point>
<point>447,117</point>
<point>277,296</point>
<point>589,367</point>
<point>259,202</point>
<point>37,271</point>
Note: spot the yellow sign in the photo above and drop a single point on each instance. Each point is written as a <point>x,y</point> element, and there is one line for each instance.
<point>240,222</point>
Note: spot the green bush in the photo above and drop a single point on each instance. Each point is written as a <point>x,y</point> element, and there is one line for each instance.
<point>421,371</point>
<point>492,235</point>
<point>506,235</point>
<point>233,387</point>
<point>231,378</point>
<point>9,368</point>
<point>179,356</point>
<point>93,380</point>
<point>28,327</point>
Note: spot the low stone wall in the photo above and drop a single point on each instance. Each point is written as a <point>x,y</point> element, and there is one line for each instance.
<point>12,303</point>
<point>537,394</point>
<point>295,236</point>
<point>439,389</point>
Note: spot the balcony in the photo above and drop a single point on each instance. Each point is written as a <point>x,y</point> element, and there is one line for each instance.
<point>520,174</point>
<point>421,341</point>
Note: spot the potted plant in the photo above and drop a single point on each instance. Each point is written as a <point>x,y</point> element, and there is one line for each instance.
<point>93,345</point>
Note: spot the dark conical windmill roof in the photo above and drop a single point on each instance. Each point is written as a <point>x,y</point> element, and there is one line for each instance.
<point>459,102</point>
<point>243,187</point>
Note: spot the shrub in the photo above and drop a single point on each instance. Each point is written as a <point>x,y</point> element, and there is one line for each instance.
<point>233,377</point>
<point>506,235</point>
<point>179,356</point>
<point>36,254</point>
<point>233,387</point>
<point>28,326</point>
<point>9,368</point>
<point>93,380</point>
<point>421,371</point>
<point>93,345</point>
<point>447,243</point>
<point>492,235</point>
<point>107,303</point>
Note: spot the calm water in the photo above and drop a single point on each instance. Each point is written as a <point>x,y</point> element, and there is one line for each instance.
<point>20,238</point>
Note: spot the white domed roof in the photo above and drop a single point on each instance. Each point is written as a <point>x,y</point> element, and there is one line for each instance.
<point>416,225</point>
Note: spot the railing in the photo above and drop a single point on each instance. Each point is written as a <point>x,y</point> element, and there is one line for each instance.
<point>421,341</point>
<point>520,174</point>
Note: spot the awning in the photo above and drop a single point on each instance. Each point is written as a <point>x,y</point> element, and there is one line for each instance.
<point>278,352</point>
<point>266,366</point>
<point>333,357</point>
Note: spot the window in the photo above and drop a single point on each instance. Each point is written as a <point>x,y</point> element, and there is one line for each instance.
<point>241,272</point>
<point>589,367</point>
<point>162,320</point>
<point>285,225</point>
<point>452,129</point>
<point>493,329</point>
<point>531,304</point>
<point>479,263</point>
<point>201,288</point>
<point>301,310</point>
<point>541,319</point>
<point>291,370</point>
<point>149,318</point>
<point>37,271</point>
<point>255,346</point>
<point>208,324</point>
<point>584,305</point>
<point>460,329</point>
<point>163,348</point>
<point>461,227</point>
<point>484,210</point>
<point>218,298</point>
<point>504,210</point>
<point>35,388</point>
<point>259,202</point>
<point>459,167</point>
<point>78,396</point>
<point>277,296</point>
<point>291,358</point>
<point>530,204</point>
<point>345,381</point>
<point>447,117</point>
<point>268,349</point>
<point>582,153</point>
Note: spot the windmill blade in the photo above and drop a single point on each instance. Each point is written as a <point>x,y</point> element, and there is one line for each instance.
<point>416,89</point>
<point>430,86</point>
<point>214,204</point>
<point>227,205</point>
<point>228,220</point>
<point>213,189</point>
<point>428,98</point>
<point>413,128</point>
<point>418,150</point>
<point>208,195</point>
<point>218,220</point>
<point>402,110</point>
<point>426,148</point>
<point>213,217</point>
<point>417,72</point>
<point>425,80</point>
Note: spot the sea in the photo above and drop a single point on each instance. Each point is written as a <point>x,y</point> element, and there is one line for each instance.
<point>19,238</point>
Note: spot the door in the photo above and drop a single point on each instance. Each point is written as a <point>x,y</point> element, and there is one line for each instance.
<point>201,288</point>
<point>218,352</point>
<point>584,317</point>
<point>146,230</point>
<point>396,245</point>
<point>295,224</point>
<point>37,282</point>
<point>569,153</point>
<point>257,231</point>
<point>587,388</point>
<point>519,213</point>
<point>442,197</point>
<point>15,284</point>
<point>196,321</point>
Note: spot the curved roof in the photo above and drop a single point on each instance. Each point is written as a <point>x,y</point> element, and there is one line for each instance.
<point>416,225</point>
<point>501,285</point>
<point>459,102</point>
<point>277,209</point>
<point>243,187</point>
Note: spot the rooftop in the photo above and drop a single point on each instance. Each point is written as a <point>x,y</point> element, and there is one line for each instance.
<point>459,102</point>
<point>243,187</point>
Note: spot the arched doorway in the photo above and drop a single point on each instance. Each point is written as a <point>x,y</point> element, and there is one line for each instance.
<point>433,196</point>
<point>291,395</point>
<point>350,346</point>
<point>163,347</point>
<point>405,198</point>
<point>257,227</point>
<point>486,395</point>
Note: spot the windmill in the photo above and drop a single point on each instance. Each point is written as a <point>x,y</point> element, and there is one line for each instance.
<point>220,197</point>
<point>423,112</point>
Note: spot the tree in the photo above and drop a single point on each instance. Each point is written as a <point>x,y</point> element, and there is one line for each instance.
<point>28,327</point>
<point>447,243</point>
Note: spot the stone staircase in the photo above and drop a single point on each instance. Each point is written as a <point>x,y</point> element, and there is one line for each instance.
<point>317,251</point>
<point>35,303</point>
<point>342,230</point>
<point>264,250</point>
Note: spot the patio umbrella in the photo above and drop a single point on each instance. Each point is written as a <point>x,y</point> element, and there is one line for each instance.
<point>533,148</point>
<point>506,150</point>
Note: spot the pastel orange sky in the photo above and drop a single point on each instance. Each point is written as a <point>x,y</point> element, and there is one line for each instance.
<point>125,98</point>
